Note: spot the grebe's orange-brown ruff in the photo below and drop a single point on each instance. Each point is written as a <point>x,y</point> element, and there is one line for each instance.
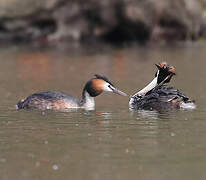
<point>59,101</point>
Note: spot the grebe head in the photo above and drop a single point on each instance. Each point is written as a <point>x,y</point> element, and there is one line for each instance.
<point>164,73</point>
<point>98,84</point>
<point>162,76</point>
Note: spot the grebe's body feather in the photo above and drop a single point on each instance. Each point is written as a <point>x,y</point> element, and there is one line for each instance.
<point>163,99</point>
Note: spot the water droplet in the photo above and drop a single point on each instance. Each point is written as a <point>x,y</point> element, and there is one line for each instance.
<point>2,160</point>
<point>132,152</point>
<point>37,164</point>
<point>106,155</point>
<point>31,155</point>
<point>55,167</point>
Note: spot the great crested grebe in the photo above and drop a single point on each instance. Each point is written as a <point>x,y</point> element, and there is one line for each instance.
<point>60,101</point>
<point>157,96</point>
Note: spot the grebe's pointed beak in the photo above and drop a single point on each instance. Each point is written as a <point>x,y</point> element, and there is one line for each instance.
<point>117,91</point>
<point>158,66</point>
<point>110,88</point>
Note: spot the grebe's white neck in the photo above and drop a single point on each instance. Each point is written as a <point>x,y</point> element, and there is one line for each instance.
<point>143,91</point>
<point>149,87</point>
<point>88,102</point>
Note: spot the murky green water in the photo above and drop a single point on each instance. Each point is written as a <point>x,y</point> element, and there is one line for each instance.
<point>111,142</point>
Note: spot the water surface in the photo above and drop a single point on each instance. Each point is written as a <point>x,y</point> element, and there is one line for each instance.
<point>110,142</point>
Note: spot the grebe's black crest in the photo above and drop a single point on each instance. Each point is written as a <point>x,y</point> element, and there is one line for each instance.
<point>103,78</point>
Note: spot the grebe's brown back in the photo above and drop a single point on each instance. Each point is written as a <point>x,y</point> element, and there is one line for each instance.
<point>59,101</point>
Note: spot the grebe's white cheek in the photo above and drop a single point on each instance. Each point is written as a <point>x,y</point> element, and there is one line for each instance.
<point>106,87</point>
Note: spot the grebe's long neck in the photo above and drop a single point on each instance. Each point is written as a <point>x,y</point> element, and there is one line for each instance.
<point>143,91</point>
<point>149,87</point>
<point>87,101</point>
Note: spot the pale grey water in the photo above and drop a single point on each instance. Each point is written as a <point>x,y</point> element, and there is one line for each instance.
<point>111,142</point>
